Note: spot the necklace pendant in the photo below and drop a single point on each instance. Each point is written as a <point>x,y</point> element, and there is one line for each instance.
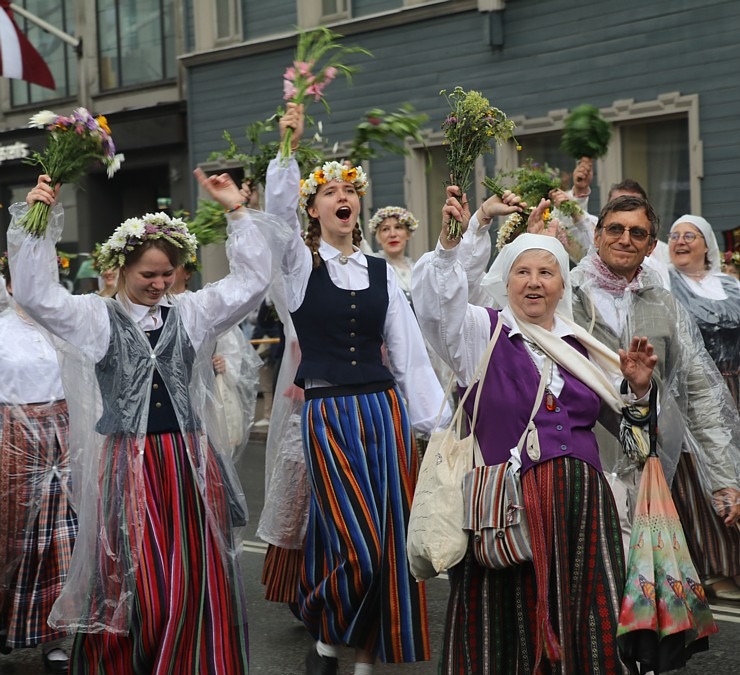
<point>549,400</point>
<point>343,259</point>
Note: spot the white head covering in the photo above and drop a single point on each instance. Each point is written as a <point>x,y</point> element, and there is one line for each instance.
<point>497,277</point>
<point>706,229</point>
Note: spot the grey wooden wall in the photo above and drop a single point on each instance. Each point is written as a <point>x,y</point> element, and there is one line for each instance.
<point>555,54</point>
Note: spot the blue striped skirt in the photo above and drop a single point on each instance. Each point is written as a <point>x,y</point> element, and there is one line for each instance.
<point>356,587</point>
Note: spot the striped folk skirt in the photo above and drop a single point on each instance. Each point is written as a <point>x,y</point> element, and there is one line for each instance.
<point>491,626</point>
<point>38,525</point>
<point>281,573</point>
<point>714,547</point>
<point>187,617</point>
<point>356,587</point>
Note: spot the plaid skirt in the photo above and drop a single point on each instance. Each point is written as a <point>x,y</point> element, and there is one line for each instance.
<point>38,524</point>
<point>492,626</point>
<point>188,614</point>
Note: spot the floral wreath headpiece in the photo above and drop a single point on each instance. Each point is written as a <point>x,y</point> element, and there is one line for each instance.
<point>62,264</point>
<point>328,172</point>
<point>135,231</point>
<point>403,216</point>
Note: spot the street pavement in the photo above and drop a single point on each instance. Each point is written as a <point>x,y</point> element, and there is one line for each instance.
<point>278,642</point>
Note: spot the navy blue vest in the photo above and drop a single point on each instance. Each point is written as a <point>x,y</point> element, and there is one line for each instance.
<point>340,332</point>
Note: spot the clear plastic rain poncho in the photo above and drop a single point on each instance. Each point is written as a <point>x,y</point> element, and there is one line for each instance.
<point>718,317</point>
<point>34,472</point>
<point>696,412</point>
<point>284,517</point>
<point>107,370</point>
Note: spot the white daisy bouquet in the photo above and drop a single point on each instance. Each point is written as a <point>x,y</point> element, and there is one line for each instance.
<point>73,144</point>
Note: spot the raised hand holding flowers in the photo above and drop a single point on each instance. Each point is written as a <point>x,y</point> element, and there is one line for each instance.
<point>318,60</point>
<point>469,129</point>
<point>73,144</point>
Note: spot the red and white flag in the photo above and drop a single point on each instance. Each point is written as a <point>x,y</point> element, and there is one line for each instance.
<point>18,57</point>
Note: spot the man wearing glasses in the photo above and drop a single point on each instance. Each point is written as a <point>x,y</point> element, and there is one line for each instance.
<point>615,296</point>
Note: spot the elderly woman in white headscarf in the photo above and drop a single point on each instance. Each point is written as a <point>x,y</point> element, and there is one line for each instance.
<point>498,621</point>
<point>713,300</point>
<point>712,297</point>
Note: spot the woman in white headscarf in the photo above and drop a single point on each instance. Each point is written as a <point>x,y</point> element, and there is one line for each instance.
<point>712,297</point>
<point>713,300</point>
<point>506,621</point>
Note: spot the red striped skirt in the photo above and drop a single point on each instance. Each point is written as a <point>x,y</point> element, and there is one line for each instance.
<point>188,612</point>
<point>281,573</point>
<point>38,524</point>
<point>491,625</point>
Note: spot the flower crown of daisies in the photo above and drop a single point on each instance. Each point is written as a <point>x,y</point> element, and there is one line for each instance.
<point>328,172</point>
<point>135,231</point>
<point>403,216</point>
<point>62,263</point>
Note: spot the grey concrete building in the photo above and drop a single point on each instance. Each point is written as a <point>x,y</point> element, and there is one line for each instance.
<point>126,68</point>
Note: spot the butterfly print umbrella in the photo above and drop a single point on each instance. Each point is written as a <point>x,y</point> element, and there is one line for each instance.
<point>665,617</point>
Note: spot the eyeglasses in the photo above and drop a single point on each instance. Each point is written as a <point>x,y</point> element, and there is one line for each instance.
<point>616,230</point>
<point>688,237</point>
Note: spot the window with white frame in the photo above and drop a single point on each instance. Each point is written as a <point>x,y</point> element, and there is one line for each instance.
<point>426,177</point>
<point>654,142</point>
<point>334,9</point>
<point>227,20</point>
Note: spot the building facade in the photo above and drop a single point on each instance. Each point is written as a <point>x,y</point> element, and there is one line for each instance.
<point>664,72</point>
<point>125,68</point>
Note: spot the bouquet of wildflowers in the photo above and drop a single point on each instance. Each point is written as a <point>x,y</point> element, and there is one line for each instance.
<point>469,129</point>
<point>73,144</point>
<point>533,182</point>
<point>318,60</point>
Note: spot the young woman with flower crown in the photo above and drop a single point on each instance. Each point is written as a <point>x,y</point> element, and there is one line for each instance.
<point>154,584</point>
<point>356,587</point>
<point>393,227</point>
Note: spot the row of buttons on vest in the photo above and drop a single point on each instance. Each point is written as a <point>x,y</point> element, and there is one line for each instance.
<point>353,321</point>
<point>559,427</point>
<point>155,386</point>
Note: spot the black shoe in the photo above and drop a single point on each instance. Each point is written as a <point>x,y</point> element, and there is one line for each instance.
<point>57,666</point>
<point>321,665</point>
<point>4,649</point>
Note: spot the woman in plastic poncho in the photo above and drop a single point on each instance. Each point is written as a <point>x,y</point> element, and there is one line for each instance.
<point>38,522</point>
<point>154,583</point>
<point>713,300</point>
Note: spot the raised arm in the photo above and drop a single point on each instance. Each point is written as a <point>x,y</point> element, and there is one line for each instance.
<point>81,320</point>
<point>457,330</point>
<point>211,311</point>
